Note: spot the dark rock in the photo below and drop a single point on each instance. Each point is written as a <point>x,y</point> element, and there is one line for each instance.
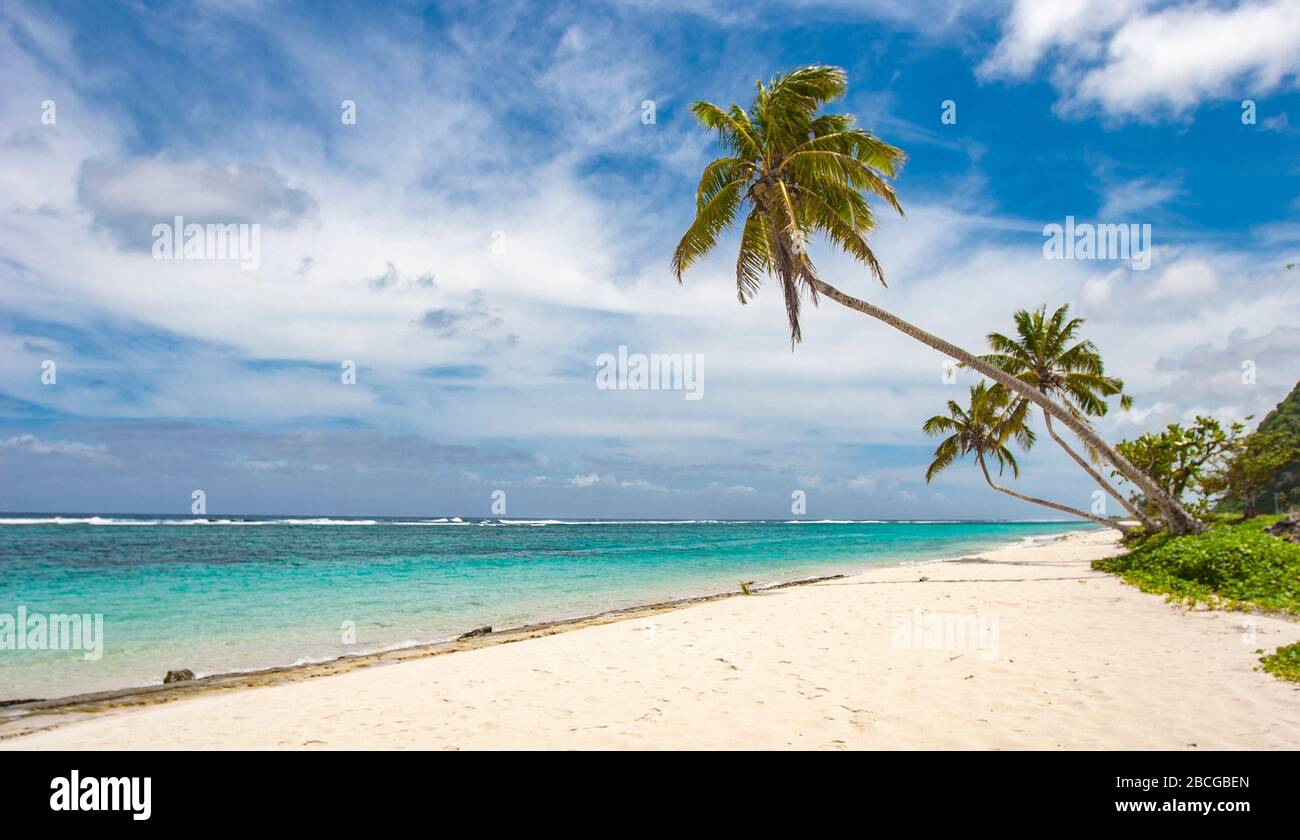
<point>475,633</point>
<point>1288,527</point>
<point>182,675</point>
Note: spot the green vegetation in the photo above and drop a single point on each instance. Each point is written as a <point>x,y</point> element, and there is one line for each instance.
<point>1179,457</point>
<point>1234,564</point>
<point>1283,488</point>
<point>1284,663</point>
<point>1208,466</point>
<point>1250,466</point>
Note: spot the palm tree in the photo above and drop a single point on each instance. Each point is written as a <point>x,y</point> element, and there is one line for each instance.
<point>1046,355</point>
<point>790,173</point>
<point>982,429</point>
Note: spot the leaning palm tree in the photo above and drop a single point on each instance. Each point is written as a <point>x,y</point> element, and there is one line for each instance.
<point>790,173</point>
<point>983,429</point>
<point>1046,355</point>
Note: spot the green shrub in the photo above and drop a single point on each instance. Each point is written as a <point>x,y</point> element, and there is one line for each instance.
<point>1233,564</point>
<point>1285,663</point>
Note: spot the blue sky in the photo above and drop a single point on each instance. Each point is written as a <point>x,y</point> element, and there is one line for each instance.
<point>500,215</point>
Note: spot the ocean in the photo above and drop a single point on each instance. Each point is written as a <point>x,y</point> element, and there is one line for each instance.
<point>218,595</point>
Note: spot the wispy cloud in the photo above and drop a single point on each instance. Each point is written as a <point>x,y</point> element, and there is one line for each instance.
<point>76,449</point>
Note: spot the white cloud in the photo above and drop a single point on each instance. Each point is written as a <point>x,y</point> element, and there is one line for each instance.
<point>1033,28</point>
<point>1097,290</point>
<point>732,489</point>
<point>1139,59</point>
<point>1124,198</point>
<point>31,443</point>
<point>130,196</point>
<point>863,483</point>
<point>642,484</point>
<point>598,480</point>
<point>263,465</point>
<point>1185,281</point>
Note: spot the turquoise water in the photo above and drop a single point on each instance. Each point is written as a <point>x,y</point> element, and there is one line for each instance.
<point>224,595</point>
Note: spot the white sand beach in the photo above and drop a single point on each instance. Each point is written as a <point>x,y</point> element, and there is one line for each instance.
<point>1076,659</point>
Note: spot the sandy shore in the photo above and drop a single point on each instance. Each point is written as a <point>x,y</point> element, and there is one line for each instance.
<point>1018,648</point>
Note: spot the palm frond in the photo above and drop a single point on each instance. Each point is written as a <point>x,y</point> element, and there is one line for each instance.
<point>733,130</point>
<point>754,262</point>
<point>715,177</point>
<point>711,220</point>
<point>944,455</point>
<point>797,173</point>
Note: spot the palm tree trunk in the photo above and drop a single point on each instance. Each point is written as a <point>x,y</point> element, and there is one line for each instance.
<point>1177,520</point>
<point>1100,520</point>
<point>1096,476</point>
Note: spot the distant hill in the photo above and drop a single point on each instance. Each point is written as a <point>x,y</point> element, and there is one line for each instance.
<point>1287,480</point>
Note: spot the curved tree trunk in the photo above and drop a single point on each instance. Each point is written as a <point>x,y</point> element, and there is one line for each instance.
<point>1096,476</point>
<point>1178,520</point>
<point>1100,520</point>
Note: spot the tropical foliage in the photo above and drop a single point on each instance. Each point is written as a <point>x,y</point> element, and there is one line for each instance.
<point>1232,564</point>
<point>1047,354</point>
<point>1284,663</point>
<point>789,173</point>
<point>982,428</point>
<point>1248,466</point>
<point>1178,458</point>
<point>1285,483</point>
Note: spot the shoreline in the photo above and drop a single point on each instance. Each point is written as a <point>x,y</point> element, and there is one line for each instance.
<point>1057,655</point>
<point>14,713</point>
<point>284,674</point>
<point>401,651</point>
